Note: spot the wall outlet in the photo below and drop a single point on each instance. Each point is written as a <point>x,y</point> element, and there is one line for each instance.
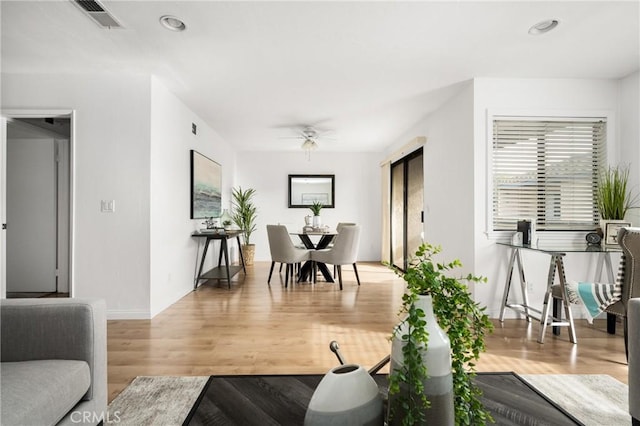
<point>108,206</point>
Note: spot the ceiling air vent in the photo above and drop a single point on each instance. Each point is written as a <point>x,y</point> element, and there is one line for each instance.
<point>97,13</point>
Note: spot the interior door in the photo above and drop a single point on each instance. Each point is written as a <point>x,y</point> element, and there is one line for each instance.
<point>31,215</point>
<point>407,201</point>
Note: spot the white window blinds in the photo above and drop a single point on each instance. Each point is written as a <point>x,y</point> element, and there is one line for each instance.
<point>547,170</point>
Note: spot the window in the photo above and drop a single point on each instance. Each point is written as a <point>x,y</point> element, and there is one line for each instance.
<point>547,170</point>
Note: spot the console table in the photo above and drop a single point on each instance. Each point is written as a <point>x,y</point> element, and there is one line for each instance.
<point>220,272</point>
<point>556,253</point>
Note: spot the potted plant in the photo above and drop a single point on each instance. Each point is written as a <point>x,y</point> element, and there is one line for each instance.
<point>465,323</point>
<point>613,198</point>
<point>244,215</point>
<point>315,208</point>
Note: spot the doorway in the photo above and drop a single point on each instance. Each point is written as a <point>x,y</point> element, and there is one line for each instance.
<point>407,200</point>
<point>36,196</point>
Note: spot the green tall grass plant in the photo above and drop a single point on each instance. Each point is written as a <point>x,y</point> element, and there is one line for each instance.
<point>613,197</point>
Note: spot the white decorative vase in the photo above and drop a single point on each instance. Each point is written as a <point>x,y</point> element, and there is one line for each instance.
<point>438,387</point>
<point>226,217</point>
<point>346,395</point>
<point>308,220</point>
<point>317,222</point>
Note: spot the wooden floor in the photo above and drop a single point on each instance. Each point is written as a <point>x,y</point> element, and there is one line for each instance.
<point>254,328</point>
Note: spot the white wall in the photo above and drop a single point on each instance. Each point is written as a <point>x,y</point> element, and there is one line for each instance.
<point>448,185</point>
<point>132,141</point>
<point>357,186</point>
<point>530,96</point>
<point>448,176</point>
<point>173,250</point>
<point>629,133</point>
<point>111,162</point>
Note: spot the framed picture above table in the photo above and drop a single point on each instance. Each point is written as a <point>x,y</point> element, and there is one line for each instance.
<point>206,187</point>
<point>304,190</point>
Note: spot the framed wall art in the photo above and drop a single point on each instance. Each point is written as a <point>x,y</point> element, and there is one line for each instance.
<point>206,187</point>
<point>611,231</point>
<point>304,190</point>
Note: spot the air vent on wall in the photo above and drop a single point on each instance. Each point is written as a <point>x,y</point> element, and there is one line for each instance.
<point>97,13</point>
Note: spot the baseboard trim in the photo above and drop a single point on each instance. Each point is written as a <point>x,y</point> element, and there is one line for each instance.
<point>128,315</point>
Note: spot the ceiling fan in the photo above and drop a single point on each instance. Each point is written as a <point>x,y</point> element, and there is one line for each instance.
<point>310,136</point>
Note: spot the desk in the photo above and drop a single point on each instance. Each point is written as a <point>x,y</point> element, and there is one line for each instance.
<point>556,265</point>
<point>219,272</point>
<point>325,240</point>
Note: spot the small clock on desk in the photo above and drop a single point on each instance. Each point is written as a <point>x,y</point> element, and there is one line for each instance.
<point>593,238</point>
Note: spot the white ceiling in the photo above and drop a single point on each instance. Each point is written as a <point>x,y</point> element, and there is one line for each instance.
<point>254,71</point>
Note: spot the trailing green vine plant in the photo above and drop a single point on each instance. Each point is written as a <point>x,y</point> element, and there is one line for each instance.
<point>464,321</point>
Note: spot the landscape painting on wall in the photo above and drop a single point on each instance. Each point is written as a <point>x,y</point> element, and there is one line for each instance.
<point>206,187</point>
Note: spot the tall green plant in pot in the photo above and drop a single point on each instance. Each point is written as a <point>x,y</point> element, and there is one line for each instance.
<point>244,215</point>
<point>466,325</point>
<point>613,197</point>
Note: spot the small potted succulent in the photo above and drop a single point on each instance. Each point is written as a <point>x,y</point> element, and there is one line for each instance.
<point>316,207</point>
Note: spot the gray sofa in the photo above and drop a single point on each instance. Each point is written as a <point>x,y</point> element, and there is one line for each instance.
<point>54,362</point>
<point>633,316</point>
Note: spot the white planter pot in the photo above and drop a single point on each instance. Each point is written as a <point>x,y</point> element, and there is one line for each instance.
<point>346,395</point>
<point>317,221</point>
<point>438,387</point>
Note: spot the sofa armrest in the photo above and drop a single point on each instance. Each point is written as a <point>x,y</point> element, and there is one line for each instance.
<point>633,318</point>
<point>73,329</point>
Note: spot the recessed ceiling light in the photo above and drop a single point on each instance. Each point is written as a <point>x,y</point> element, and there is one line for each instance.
<point>543,27</point>
<point>172,23</point>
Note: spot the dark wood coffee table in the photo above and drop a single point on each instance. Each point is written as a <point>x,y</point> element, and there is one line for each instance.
<point>283,400</point>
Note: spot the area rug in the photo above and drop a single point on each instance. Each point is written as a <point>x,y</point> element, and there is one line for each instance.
<point>156,400</point>
<point>594,399</point>
<point>166,400</point>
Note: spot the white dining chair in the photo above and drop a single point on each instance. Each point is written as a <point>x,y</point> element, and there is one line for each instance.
<point>339,226</point>
<point>284,251</point>
<point>343,252</point>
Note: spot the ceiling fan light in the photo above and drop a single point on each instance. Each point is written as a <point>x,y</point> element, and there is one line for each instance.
<point>309,145</point>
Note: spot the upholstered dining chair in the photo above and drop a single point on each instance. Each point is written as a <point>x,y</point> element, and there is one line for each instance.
<point>343,252</point>
<point>339,226</point>
<point>284,251</point>
<point>342,224</point>
<point>628,275</point>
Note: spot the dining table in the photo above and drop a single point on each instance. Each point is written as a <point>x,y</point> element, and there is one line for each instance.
<point>315,240</point>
